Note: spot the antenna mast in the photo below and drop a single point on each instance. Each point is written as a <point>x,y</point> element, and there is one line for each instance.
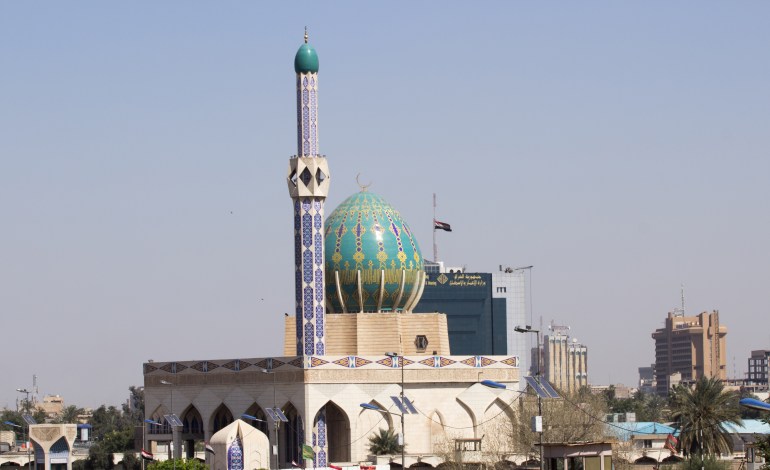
<point>435,247</point>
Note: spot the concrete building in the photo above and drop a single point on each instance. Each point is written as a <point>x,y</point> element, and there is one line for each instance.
<point>354,339</point>
<point>757,368</point>
<point>565,361</point>
<point>647,379</point>
<point>694,347</point>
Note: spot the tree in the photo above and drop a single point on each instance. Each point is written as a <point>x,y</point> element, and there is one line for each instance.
<point>70,414</point>
<point>699,462</point>
<point>651,407</point>
<point>99,458</point>
<point>647,407</point>
<point>105,420</point>
<point>699,412</point>
<point>133,410</point>
<point>113,432</point>
<point>39,415</point>
<point>384,442</point>
<point>496,437</point>
<point>12,416</point>
<point>189,464</point>
<point>131,461</point>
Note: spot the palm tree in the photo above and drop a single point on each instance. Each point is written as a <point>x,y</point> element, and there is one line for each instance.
<point>385,442</point>
<point>69,414</point>
<point>699,413</point>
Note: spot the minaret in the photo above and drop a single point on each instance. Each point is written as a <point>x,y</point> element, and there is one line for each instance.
<point>308,181</point>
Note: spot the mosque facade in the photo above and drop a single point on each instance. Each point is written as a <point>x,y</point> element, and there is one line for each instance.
<point>354,339</point>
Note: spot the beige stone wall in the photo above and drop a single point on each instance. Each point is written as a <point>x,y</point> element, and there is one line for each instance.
<point>377,333</point>
<point>450,399</point>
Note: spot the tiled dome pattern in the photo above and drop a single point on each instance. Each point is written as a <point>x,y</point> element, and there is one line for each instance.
<point>366,238</point>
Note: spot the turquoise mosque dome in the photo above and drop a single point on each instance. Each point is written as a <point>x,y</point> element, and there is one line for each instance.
<point>373,262</point>
<point>306,60</point>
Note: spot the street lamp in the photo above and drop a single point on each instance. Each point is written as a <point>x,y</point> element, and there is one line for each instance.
<point>175,448</point>
<point>26,444</point>
<point>369,406</point>
<point>253,418</point>
<point>275,421</point>
<point>754,404</point>
<point>144,436</point>
<point>26,403</point>
<point>400,359</point>
<point>528,329</point>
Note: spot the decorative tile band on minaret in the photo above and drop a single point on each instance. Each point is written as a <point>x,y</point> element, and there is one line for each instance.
<point>308,180</point>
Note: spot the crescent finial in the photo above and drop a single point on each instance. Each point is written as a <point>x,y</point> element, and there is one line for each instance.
<point>363,187</point>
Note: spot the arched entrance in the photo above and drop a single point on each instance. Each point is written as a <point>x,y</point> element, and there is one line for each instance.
<point>59,454</point>
<point>192,430</point>
<point>337,433</point>
<point>291,436</point>
<point>222,417</point>
<point>159,424</point>
<point>264,424</point>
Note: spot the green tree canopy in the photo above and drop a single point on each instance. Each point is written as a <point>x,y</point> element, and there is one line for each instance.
<point>70,414</point>
<point>189,464</point>
<point>384,442</point>
<point>699,412</point>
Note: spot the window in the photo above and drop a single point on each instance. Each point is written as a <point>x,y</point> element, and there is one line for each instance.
<point>575,463</point>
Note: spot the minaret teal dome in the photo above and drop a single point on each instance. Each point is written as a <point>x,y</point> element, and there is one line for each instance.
<point>373,261</point>
<point>306,60</point>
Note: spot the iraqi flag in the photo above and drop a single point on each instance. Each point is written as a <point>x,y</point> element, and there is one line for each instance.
<point>147,455</point>
<point>335,467</point>
<point>441,226</point>
<point>209,449</point>
<point>671,443</point>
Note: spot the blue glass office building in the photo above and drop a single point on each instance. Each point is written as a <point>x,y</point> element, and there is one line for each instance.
<point>476,318</point>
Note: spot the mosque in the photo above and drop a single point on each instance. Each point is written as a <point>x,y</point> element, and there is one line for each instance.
<point>353,340</point>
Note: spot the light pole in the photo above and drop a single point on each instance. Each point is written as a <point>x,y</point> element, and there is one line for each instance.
<point>26,402</point>
<point>24,436</point>
<point>144,438</point>
<point>175,447</point>
<point>400,359</point>
<point>528,329</point>
<point>275,421</point>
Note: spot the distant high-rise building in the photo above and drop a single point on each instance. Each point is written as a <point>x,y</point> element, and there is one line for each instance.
<point>694,346</point>
<point>647,379</point>
<point>758,363</point>
<point>565,361</point>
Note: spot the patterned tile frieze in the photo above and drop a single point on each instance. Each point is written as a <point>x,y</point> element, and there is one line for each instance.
<point>329,362</point>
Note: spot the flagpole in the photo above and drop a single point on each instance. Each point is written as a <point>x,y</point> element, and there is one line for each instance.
<point>435,247</point>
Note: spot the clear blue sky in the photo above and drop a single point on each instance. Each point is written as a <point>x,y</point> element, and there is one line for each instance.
<point>619,147</point>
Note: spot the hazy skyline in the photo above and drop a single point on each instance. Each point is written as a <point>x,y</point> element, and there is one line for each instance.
<point>620,148</point>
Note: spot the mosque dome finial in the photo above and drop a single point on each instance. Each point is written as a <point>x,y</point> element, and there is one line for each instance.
<point>306,60</point>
